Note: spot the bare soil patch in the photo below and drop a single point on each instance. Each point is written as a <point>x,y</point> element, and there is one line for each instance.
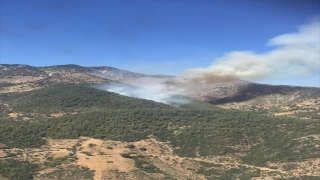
<point>2,154</point>
<point>106,158</point>
<point>14,115</point>
<point>20,79</point>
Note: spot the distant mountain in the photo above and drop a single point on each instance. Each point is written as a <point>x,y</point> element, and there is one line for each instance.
<point>76,73</point>
<point>277,100</point>
<point>119,75</point>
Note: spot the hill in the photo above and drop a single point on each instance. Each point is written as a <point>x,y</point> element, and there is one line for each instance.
<point>251,140</point>
<point>59,100</point>
<point>68,128</point>
<point>300,102</point>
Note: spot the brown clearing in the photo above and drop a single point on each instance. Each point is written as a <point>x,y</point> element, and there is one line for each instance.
<point>104,157</point>
<point>20,79</point>
<point>2,154</point>
<point>14,115</point>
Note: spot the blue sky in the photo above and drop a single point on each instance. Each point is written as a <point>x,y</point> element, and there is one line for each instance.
<point>147,36</point>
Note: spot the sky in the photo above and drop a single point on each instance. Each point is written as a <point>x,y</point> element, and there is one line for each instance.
<point>167,36</point>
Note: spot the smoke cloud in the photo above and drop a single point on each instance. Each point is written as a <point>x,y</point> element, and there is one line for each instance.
<point>157,91</point>
<point>294,54</point>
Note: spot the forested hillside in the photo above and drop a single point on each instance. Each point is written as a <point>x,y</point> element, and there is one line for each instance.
<point>57,122</point>
<point>254,139</point>
<point>70,98</point>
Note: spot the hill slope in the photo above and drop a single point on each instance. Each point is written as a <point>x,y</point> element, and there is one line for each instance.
<point>69,99</point>
<point>301,102</point>
<point>63,128</point>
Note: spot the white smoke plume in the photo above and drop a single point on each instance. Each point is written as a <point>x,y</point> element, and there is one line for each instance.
<point>155,91</point>
<point>294,54</point>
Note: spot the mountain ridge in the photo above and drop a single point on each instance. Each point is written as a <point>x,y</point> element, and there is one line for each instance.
<point>243,95</point>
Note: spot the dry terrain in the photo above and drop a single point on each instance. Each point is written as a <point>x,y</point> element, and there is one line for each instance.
<point>116,160</point>
<point>150,158</point>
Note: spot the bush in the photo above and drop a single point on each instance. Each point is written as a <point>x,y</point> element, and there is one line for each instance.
<point>130,146</point>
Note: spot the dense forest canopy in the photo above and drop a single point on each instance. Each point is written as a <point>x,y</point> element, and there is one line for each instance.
<point>197,129</point>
